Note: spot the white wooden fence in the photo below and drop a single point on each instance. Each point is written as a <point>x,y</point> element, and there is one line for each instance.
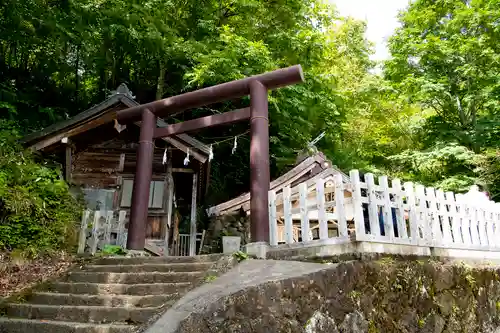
<point>101,228</point>
<point>398,214</point>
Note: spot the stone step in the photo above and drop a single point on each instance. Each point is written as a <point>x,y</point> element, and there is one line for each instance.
<point>155,260</point>
<point>102,300</point>
<point>9,325</point>
<point>83,314</point>
<point>151,267</point>
<point>119,289</point>
<point>134,278</point>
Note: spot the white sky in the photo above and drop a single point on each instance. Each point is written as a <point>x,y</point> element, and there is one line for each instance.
<point>381,18</point>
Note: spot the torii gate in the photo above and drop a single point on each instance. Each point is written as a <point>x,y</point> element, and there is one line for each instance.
<point>257,86</point>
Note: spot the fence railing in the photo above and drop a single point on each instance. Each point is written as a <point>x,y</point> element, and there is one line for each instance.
<point>101,228</point>
<point>336,212</point>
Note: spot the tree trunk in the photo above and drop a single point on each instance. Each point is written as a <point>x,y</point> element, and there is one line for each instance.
<point>77,78</point>
<point>161,80</point>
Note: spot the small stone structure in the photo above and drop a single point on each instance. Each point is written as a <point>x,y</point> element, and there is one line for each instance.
<point>236,224</point>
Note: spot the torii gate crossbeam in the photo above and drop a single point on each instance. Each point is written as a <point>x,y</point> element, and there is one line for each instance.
<point>255,86</point>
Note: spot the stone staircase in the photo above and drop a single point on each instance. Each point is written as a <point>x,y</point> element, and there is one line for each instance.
<point>112,295</point>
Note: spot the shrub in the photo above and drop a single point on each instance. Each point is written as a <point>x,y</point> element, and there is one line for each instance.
<point>37,211</point>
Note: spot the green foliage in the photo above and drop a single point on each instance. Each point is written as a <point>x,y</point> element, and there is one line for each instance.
<point>435,106</point>
<point>446,56</point>
<point>240,256</point>
<point>113,250</point>
<point>447,166</point>
<point>210,278</point>
<point>37,212</point>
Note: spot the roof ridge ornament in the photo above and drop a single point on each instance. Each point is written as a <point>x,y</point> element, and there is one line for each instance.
<point>122,90</point>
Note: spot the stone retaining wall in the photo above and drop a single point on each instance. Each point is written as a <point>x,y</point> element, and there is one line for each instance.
<point>226,225</point>
<point>377,296</point>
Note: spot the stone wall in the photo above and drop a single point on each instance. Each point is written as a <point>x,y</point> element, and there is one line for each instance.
<point>378,296</point>
<point>226,225</point>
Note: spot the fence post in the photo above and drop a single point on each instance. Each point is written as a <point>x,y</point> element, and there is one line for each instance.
<point>412,212</point>
<point>481,222</point>
<point>386,207</point>
<point>357,204</point>
<point>496,219</point>
<point>443,216</point>
<point>320,201</point>
<point>400,212</point>
<point>340,205</point>
<point>107,228</point>
<point>454,217</point>
<point>423,215</point>
<point>83,231</point>
<point>273,224</point>
<point>490,229</point>
<point>473,218</point>
<point>464,221</point>
<point>437,236</point>
<point>287,212</point>
<point>372,205</point>
<point>304,215</point>
<point>120,237</point>
<point>95,232</point>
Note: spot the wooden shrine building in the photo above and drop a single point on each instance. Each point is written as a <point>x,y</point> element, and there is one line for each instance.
<point>99,155</point>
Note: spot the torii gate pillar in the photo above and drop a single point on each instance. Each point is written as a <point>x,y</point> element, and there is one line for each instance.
<point>259,163</point>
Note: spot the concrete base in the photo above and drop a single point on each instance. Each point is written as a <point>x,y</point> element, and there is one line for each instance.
<point>374,247</point>
<point>345,249</point>
<point>257,249</point>
<point>137,253</point>
<point>466,254</point>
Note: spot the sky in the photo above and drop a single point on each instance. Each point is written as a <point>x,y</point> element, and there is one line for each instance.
<point>380,16</point>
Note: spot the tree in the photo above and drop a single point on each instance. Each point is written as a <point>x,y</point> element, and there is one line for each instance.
<point>446,56</point>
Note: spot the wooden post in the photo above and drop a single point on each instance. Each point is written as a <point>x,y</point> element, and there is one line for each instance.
<point>412,212</point>
<point>423,215</point>
<point>67,159</point>
<point>95,232</point>
<point>259,163</point>
<point>273,223</point>
<point>357,204</point>
<point>339,205</point>
<point>107,227</point>
<point>304,214</point>
<point>67,169</point>
<point>464,222</point>
<point>121,235</point>
<point>386,207</point>
<point>444,217</point>
<point>400,212</point>
<point>320,206</point>
<point>372,205</point>
<point>454,217</point>
<point>287,212</point>
<point>83,231</point>
<point>140,195</point>
<point>170,200</point>
<point>192,238</point>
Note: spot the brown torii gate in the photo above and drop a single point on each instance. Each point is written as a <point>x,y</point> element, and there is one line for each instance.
<point>257,86</point>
